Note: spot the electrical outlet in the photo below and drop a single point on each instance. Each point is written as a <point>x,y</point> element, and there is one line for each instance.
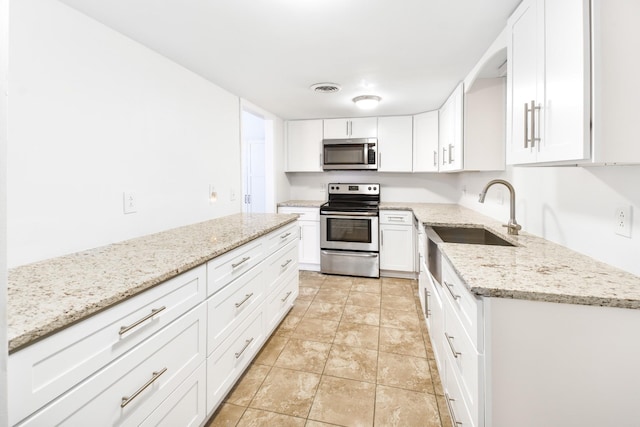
<point>130,203</point>
<point>623,221</point>
<point>232,195</point>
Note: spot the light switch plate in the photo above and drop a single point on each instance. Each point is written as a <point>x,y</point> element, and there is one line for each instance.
<point>130,203</point>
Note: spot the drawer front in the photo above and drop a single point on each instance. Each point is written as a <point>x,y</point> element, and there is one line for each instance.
<point>306,214</point>
<point>281,237</point>
<point>280,264</point>
<point>466,305</point>
<point>229,307</point>
<point>187,405</point>
<point>281,300</point>
<point>140,380</point>
<point>396,217</point>
<point>59,362</point>
<point>229,361</point>
<point>455,403</point>
<point>464,360</point>
<point>228,267</point>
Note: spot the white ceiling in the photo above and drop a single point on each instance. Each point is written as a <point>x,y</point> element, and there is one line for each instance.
<point>412,53</point>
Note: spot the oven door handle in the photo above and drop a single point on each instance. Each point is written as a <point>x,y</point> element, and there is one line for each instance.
<point>351,254</point>
<point>344,213</point>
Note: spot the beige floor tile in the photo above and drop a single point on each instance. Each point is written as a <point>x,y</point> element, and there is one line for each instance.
<point>300,307</point>
<point>287,392</point>
<point>364,299</point>
<point>337,282</point>
<point>332,296</point>
<point>227,415</point>
<point>399,319</point>
<point>399,287</point>
<point>271,350</point>
<point>400,408</point>
<point>311,423</point>
<point>289,323</point>
<point>258,418</point>
<point>306,292</point>
<point>309,356</point>
<point>400,341</point>
<point>316,329</point>
<point>324,310</point>
<point>443,408</point>
<point>248,385</point>
<point>357,335</point>
<point>352,363</point>
<point>358,314</point>
<point>427,345</point>
<point>435,377</point>
<point>397,302</point>
<point>365,284</point>
<point>407,372</point>
<point>344,402</point>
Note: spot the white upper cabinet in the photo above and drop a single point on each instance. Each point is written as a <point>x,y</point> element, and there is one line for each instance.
<point>351,128</point>
<point>450,132</point>
<point>548,101</point>
<point>304,146</point>
<point>395,144</point>
<point>425,142</point>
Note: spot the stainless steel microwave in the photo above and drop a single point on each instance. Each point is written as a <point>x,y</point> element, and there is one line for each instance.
<point>350,154</point>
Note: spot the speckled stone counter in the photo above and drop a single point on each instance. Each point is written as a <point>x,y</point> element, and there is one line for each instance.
<point>48,295</point>
<point>301,204</point>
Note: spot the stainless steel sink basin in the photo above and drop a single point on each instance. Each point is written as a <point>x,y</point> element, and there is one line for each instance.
<point>474,236</point>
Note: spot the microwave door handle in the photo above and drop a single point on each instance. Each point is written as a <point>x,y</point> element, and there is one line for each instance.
<point>365,155</point>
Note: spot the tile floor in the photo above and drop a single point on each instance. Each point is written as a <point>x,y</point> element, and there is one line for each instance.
<point>351,352</point>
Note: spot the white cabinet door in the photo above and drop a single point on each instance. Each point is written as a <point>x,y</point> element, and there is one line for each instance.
<point>396,247</point>
<point>309,249</point>
<point>351,128</point>
<point>304,146</point>
<point>395,140</point>
<point>450,128</point>
<point>425,142</point>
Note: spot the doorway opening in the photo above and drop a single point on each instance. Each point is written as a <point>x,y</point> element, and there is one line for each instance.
<point>257,140</point>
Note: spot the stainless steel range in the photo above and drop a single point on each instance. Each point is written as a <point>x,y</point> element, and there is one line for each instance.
<point>349,230</point>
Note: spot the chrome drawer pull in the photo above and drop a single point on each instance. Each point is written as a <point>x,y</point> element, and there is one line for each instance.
<point>453,414</point>
<point>449,286</point>
<point>246,344</point>
<point>453,350</point>
<point>246,298</point>
<point>285,236</point>
<point>126,400</point>
<point>435,158</point>
<point>125,329</point>
<point>242,261</point>
<point>286,263</point>
<point>286,296</point>
<point>399,218</point>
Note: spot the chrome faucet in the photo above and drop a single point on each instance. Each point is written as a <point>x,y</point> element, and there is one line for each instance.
<point>512,226</point>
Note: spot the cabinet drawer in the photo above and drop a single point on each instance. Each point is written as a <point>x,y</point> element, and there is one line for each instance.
<point>455,403</point>
<point>281,237</point>
<point>396,217</point>
<point>228,267</point>
<point>280,264</point>
<point>57,363</point>
<point>467,307</point>
<point>227,363</point>
<point>281,300</point>
<point>227,308</point>
<point>145,376</point>
<point>186,407</point>
<point>306,214</point>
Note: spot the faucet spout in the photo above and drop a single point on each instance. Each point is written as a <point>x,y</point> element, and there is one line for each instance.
<point>512,226</point>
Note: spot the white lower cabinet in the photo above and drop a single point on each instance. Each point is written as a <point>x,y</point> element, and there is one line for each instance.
<point>309,229</point>
<point>397,244</point>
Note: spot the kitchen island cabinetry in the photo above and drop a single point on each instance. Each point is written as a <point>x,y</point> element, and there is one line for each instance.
<point>304,146</point>
<point>309,235</point>
<point>395,144</point>
<point>366,127</point>
<point>397,244</point>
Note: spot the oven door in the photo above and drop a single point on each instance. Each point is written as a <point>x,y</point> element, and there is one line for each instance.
<point>351,232</point>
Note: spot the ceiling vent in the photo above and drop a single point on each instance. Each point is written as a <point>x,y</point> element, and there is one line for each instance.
<point>325,87</point>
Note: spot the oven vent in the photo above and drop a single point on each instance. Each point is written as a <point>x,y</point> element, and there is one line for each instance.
<point>325,87</point>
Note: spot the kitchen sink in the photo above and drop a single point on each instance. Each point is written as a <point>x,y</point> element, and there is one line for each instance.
<point>469,235</point>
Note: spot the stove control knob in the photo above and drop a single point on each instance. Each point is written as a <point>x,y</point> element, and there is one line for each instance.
<point>332,187</point>
<point>375,188</point>
<point>337,188</point>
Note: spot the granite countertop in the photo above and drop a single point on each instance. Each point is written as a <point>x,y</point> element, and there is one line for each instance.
<point>536,269</point>
<point>301,203</point>
<point>48,295</point>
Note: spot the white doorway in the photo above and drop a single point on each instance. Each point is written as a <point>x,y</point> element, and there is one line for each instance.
<point>255,140</point>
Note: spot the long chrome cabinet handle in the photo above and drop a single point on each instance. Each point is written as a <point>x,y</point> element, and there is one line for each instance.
<point>285,236</point>
<point>444,157</point>
<point>286,263</point>
<point>435,157</point>
<point>286,296</point>
<point>246,344</point>
<point>449,287</point>
<point>534,139</point>
<point>453,350</point>
<point>526,125</point>
<point>453,414</point>
<point>154,311</point>
<point>300,230</point>
<point>242,261</point>
<point>246,298</point>
<point>381,237</point>
<point>127,399</point>
<point>427,295</point>
<point>450,153</point>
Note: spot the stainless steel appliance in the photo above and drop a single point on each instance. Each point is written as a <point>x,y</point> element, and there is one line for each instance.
<point>349,227</point>
<point>350,154</point>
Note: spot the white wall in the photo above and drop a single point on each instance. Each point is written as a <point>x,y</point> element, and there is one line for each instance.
<point>94,114</point>
<point>572,206</point>
<point>4,48</point>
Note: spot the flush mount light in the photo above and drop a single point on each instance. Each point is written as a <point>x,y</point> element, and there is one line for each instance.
<point>325,87</point>
<point>367,102</point>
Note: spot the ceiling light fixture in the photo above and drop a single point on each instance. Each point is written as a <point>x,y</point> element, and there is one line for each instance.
<point>367,102</point>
